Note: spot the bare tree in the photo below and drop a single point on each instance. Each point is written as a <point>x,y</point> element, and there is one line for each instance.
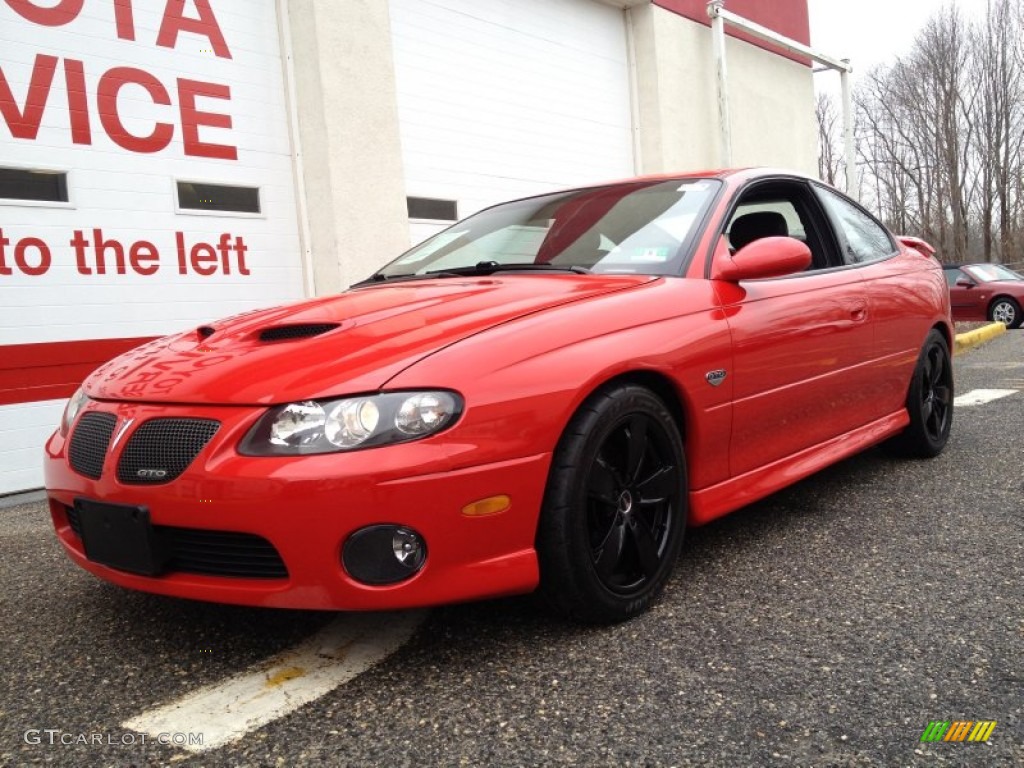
<point>830,163</point>
<point>941,134</point>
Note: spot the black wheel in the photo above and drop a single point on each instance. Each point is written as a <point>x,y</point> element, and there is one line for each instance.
<point>929,402</point>
<point>1006,311</point>
<point>615,507</point>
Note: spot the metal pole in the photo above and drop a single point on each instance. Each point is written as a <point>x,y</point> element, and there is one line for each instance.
<point>851,154</point>
<point>722,83</point>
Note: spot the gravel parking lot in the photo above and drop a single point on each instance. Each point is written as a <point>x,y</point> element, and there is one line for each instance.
<point>824,626</point>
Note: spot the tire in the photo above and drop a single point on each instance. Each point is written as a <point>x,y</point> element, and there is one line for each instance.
<point>614,509</point>
<point>1006,311</point>
<point>929,402</point>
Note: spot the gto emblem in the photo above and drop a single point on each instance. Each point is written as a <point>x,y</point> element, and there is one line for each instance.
<point>715,377</point>
<point>154,474</point>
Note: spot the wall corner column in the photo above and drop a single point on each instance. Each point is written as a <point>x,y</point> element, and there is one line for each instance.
<point>351,158</point>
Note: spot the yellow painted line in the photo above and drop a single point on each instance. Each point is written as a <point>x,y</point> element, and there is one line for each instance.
<point>971,339</point>
<point>224,712</point>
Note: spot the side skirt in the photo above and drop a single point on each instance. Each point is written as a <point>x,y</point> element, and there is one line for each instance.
<point>717,500</point>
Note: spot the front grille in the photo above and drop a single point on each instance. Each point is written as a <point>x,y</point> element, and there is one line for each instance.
<point>211,553</point>
<point>161,449</point>
<point>221,553</point>
<point>89,443</point>
<point>303,331</point>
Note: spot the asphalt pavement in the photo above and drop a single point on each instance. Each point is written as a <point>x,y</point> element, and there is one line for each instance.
<point>824,626</point>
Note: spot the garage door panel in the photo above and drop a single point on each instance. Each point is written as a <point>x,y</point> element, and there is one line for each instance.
<point>129,192</point>
<point>503,99</point>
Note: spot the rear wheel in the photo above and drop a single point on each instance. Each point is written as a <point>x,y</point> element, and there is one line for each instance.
<point>929,402</point>
<point>1006,311</point>
<point>615,507</point>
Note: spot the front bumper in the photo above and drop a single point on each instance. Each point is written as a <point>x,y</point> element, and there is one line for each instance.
<point>308,506</point>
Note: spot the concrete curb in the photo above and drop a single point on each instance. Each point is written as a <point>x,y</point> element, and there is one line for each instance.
<point>965,341</point>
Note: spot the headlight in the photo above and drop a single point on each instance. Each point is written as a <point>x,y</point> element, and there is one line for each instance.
<point>75,404</point>
<point>349,423</point>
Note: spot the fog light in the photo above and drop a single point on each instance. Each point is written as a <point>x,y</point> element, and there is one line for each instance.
<point>384,554</point>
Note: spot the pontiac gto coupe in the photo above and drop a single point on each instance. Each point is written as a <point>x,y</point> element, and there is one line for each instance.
<point>544,395</point>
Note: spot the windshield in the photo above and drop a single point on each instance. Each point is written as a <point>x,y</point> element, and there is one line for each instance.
<point>642,227</point>
<point>986,273</point>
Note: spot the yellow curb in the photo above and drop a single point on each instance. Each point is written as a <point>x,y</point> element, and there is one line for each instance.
<point>977,337</point>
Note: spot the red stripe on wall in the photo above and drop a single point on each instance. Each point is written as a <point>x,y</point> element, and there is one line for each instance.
<point>33,372</point>
<point>787,17</point>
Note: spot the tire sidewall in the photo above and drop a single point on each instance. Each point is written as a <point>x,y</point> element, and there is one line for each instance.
<point>1014,305</point>
<point>930,446</point>
<point>612,407</point>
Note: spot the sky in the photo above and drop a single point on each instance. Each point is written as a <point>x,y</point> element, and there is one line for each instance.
<point>871,32</point>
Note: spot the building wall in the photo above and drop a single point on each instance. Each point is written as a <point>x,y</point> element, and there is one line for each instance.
<point>771,98</point>
<point>349,136</point>
<point>129,99</point>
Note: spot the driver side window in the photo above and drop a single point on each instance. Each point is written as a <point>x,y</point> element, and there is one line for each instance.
<point>777,209</point>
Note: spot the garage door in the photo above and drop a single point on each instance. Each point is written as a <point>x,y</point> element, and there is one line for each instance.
<point>145,187</point>
<point>504,98</point>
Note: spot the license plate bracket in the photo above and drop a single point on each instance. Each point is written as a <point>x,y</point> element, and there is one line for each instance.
<point>120,536</point>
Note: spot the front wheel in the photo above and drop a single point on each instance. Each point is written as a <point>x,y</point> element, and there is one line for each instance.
<point>615,507</point>
<point>929,402</point>
<point>1006,311</point>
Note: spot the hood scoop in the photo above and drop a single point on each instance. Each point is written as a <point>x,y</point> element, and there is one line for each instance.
<point>205,331</point>
<point>298,331</point>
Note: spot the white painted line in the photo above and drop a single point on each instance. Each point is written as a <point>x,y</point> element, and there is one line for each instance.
<point>226,711</point>
<point>981,396</point>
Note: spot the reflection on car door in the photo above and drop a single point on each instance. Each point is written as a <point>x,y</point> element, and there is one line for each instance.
<point>800,343</point>
<point>902,291</point>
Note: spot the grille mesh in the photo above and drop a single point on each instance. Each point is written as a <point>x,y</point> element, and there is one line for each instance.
<point>304,331</point>
<point>89,443</point>
<point>165,445</point>
<point>212,553</point>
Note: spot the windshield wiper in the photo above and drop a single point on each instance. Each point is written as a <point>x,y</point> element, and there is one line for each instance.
<point>490,267</point>
<point>481,268</point>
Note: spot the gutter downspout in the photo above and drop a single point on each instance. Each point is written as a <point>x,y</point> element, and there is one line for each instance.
<point>301,202</point>
<point>721,83</point>
<point>719,17</point>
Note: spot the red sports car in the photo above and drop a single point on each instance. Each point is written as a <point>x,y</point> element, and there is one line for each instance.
<point>986,292</point>
<point>544,395</point>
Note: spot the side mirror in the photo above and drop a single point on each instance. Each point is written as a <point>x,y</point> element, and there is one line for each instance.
<point>766,257</point>
<point>965,282</point>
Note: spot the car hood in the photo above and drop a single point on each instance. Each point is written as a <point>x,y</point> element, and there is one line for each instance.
<point>349,343</point>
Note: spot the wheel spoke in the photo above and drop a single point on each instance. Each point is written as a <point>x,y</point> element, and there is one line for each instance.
<point>609,553</point>
<point>658,486</point>
<point>608,469</point>
<point>942,394</point>
<point>937,367</point>
<point>601,484</point>
<point>637,446</point>
<point>646,548</point>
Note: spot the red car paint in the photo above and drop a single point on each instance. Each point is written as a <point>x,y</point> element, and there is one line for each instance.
<point>818,364</point>
<point>973,292</point>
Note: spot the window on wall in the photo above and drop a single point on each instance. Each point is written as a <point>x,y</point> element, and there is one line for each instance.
<point>196,196</point>
<point>34,185</point>
<point>432,208</point>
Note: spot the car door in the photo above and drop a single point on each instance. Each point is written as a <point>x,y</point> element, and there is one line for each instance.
<point>902,288</point>
<point>967,297</point>
<point>799,341</point>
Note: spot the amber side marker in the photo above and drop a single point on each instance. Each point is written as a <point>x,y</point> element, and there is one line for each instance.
<point>492,505</point>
